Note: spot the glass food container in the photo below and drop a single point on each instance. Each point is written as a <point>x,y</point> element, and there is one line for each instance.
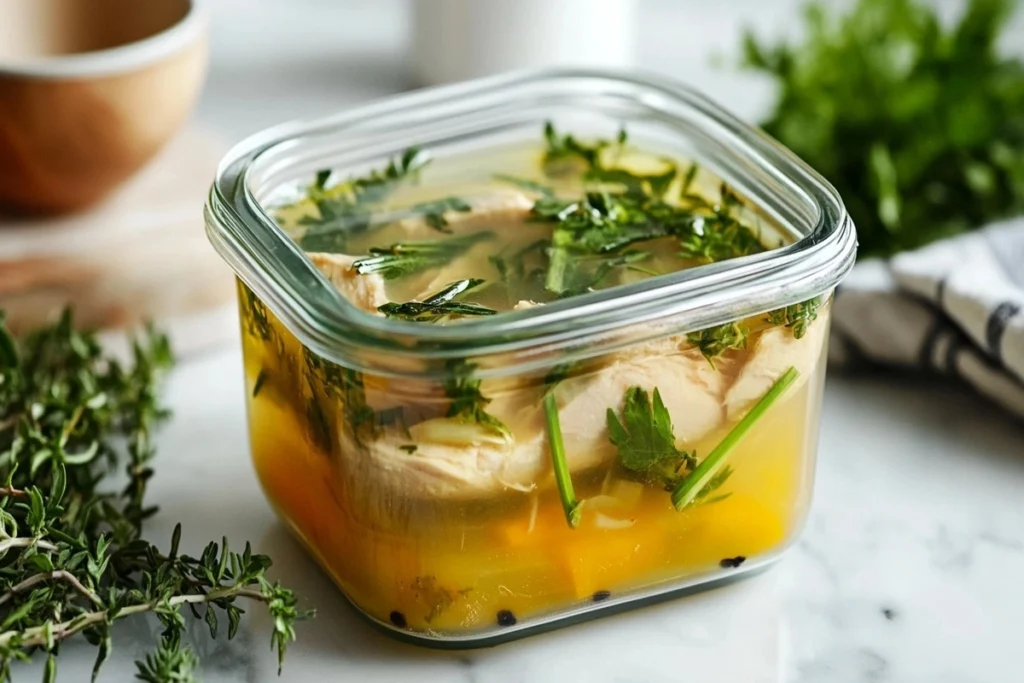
<point>531,349</point>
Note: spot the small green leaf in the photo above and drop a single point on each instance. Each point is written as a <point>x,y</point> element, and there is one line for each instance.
<point>175,541</point>
<point>50,670</point>
<point>644,438</point>
<point>211,620</point>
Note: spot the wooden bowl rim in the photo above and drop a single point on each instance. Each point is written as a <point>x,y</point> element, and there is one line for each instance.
<point>122,58</point>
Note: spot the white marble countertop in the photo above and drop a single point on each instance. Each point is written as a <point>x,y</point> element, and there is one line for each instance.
<point>909,570</point>
<point>910,567</point>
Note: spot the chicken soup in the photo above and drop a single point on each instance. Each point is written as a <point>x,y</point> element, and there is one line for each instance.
<point>468,503</point>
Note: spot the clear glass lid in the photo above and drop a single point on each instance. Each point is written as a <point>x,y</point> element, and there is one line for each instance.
<point>463,126</point>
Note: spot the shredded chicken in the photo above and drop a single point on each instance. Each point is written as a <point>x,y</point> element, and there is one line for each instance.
<point>365,291</point>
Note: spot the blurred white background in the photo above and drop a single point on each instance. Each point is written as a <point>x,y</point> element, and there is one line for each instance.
<point>282,59</point>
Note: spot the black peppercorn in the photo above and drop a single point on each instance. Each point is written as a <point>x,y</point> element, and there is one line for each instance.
<point>506,618</point>
<point>398,619</point>
<point>601,595</point>
<point>732,562</point>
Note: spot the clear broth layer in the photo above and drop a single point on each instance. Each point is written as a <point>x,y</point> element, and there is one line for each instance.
<point>445,566</point>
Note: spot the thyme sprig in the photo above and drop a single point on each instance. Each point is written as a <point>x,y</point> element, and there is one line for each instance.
<point>438,306</point>
<point>72,560</point>
<point>797,317</point>
<point>347,208</point>
<point>415,256</point>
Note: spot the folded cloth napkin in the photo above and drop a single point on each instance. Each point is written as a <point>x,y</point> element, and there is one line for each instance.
<point>955,307</point>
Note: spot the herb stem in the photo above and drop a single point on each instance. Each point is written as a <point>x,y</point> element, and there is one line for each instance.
<point>25,542</point>
<point>558,461</point>
<point>694,483</point>
<point>36,636</point>
<point>11,492</point>
<point>57,575</point>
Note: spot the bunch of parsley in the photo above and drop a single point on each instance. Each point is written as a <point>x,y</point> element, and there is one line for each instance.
<point>920,126</point>
<point>72,559</point>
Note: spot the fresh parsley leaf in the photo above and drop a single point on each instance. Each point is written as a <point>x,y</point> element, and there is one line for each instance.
<point>440,305</point>
<point>405,258</point>
<point>917,122</point>
<point>644,437</point>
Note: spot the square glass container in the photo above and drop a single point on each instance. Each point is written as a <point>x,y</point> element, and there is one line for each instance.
<point>472,482</point>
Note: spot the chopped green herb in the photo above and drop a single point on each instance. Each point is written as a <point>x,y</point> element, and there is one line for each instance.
<point>644,438</point>
<point>346,386</point>
<point>255,316</point>
<point>405,258</point>
<point>599,223</point>
<point>500,265</point>
<point>438,306</point>
<point>318,427</point>
<point>563,478</point>
<point>513,268</point>
<point>258,384</point>
<point>433,212</point>
<point>654,186</point>
<point>698,484</point>
<point>604,222</point>
<point>714,341</point>
<point>716,233</point>
<point>558,373</point>
<point>566,148</point>
<point>347,208</point>
<point>797,317</point>
<point>691,175</point>
<point>409,448</point>
<point>467,403</point>
<point>627,260</point>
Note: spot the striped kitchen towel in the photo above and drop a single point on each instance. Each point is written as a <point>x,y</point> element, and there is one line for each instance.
<point>954,307</point>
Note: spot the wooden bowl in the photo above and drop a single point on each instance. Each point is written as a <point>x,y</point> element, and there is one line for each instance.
<point>90,90</point>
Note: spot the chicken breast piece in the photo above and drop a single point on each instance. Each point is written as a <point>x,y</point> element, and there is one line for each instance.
<point>776,351</point>
<point>454,459</point>
<point>691,389</point>
<point>493,211</point>
<point>459,470</point>
<point>364,291</point>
